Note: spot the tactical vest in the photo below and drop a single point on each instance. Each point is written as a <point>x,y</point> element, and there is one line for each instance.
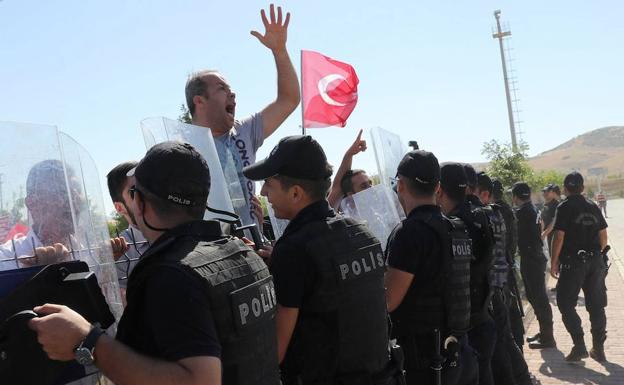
<point>446,305</point>
<point>498,273</point>
<point>341,332</point>
<point>583,229</point>
<point>480,266</point>
<point>242,299</point>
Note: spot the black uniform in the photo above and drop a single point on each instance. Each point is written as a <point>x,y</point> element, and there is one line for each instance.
<point>508,364</point>
<point>332,269</point>
<point>533,267</point>
<point>548,216</point>
<point>581,221</point>
<point>511,292</point>
<point>418,246</point>
<point>482,334</point>
<point>196,292</point>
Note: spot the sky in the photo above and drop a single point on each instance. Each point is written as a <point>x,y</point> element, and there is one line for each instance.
<point>429,71</point>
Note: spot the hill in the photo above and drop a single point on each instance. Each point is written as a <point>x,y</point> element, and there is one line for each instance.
<point>603,147</point>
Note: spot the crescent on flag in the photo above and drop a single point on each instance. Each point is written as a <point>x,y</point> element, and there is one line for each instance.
<point>322,88</point>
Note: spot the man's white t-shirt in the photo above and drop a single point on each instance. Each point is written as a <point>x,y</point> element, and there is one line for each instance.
<point>17,247</point>
<point>237,149</point>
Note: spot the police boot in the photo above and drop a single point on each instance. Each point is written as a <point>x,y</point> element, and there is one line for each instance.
<point>533,338</point>
<point>577,353</point>
<point>544,340</point>
<point>597,351</point>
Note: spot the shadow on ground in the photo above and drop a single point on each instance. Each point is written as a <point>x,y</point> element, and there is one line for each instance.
<point>554,366</point>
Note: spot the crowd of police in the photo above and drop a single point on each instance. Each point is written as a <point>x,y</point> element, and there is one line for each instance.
<point>327,303</point>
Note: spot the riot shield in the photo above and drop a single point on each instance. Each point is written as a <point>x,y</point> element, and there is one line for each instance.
<point>377,207</point>
<point>226,192</point>
<point>389,150</point>
<point>278,225</point>
<point>50,195</point>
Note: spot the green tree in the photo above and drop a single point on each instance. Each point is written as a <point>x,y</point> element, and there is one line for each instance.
<point>117,223</point>
<point>185,115</point>
<point>541,178</point>
<point>506,165</point>
<point>510,167</point>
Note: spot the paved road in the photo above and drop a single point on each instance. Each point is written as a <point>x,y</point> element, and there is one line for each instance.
<point>548,365</point>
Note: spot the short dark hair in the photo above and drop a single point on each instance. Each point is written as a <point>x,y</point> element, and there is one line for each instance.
<point>316,189</point>
<point>196,85</point>
<point>456,194</point>
<point>419,189</point>
<point>471,175</point>
<point>346,183</point>
<point>484,182</point>
<point>575,189</point>
<point>116,179</point>
<point>165,208</point>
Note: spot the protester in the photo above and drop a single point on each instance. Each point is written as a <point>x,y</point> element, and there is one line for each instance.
<point>212,103</point>
<point>348,181</point>
<point>119,185</point>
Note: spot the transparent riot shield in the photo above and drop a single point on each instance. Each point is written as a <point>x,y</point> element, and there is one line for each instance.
<point>226,192</point>
<point>91,240</point>
<point>389,150</point>
<point>50,196</point>
<point>278,225</point>
<point>378,207</point>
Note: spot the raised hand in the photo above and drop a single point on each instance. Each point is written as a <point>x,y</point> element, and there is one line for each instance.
<point>358,146</point>
<point>276,32</point>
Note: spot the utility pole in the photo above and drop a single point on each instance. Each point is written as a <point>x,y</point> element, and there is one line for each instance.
<point>500,35</point>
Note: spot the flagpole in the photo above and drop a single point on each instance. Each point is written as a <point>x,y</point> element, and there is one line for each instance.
<point>303,130</point>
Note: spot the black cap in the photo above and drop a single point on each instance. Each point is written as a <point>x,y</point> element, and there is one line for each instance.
<point>453,177</point>
<point>295,156</point>
<point>497,187</point>
<point>573,179</point>
<point>521,190</point>
<point>548,187</point>
<point>556,189</point>
<point>175,172</point>
<point>420,166</point>
<point>484,182</point>
<point>471,175</point>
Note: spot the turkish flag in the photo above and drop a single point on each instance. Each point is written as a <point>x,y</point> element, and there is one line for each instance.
<point>329,90</point>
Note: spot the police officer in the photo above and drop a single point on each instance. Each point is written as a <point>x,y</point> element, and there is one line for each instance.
<point>578,262</point>
<point>420,280</point>
<point>200,304</point>
<point>533,265</point>
<point>328,270</point>
<point>508,364</point>
<point>482,334</point>
<point>512,294</point>
<point>551,201</point>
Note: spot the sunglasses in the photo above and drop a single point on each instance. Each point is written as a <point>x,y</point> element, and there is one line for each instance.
<point>132,190</point>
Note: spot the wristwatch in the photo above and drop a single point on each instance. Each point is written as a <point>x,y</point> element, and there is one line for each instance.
<point>84,351</point>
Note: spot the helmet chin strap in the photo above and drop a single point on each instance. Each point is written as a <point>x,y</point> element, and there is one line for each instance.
<point>150,226</point>
<point>235,220</point>
<point>147,223</point>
